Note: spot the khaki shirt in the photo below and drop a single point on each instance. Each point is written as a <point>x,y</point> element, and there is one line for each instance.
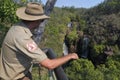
<point>18,52</point>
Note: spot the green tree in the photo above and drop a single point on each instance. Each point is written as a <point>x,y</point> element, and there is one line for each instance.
<point>83,69</point>
<point>7,11</point>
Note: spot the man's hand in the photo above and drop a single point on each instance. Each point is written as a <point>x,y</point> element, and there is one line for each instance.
<point>73,56</point>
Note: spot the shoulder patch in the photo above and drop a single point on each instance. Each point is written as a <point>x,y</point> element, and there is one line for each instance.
<point>31,46</point>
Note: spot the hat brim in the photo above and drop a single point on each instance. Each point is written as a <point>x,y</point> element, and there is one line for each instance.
<point>22,15</point>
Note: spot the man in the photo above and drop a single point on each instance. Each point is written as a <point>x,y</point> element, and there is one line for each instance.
<point>19,50</point>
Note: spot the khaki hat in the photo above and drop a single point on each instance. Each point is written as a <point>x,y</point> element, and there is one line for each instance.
<point>33,11</point>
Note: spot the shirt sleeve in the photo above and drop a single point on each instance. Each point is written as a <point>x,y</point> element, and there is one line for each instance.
<point>26,45</point>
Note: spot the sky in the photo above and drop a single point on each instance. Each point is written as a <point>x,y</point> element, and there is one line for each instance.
<point>76,3</point>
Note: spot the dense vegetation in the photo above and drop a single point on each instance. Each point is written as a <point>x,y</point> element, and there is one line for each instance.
<point>101,23</point>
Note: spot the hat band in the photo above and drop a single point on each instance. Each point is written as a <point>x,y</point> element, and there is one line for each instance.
<point>34,14</point>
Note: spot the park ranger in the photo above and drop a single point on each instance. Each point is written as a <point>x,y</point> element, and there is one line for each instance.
<point>19,50</point>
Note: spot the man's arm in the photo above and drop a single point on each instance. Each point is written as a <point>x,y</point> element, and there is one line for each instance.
<point>53,63</point>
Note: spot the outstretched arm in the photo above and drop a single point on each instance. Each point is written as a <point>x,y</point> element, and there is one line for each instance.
<point>53,63</point>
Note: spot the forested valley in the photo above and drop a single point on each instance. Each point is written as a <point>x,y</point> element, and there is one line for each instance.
<point>101,24</point>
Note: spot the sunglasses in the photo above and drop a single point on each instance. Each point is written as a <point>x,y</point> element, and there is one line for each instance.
<point>41,20</point>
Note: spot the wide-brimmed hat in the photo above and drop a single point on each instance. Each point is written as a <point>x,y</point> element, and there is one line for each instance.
<point>33,11</point>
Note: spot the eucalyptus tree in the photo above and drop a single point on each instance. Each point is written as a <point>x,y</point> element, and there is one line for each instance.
<point>59,72</point>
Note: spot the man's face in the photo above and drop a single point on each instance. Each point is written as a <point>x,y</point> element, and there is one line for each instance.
<point>36,23</point>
